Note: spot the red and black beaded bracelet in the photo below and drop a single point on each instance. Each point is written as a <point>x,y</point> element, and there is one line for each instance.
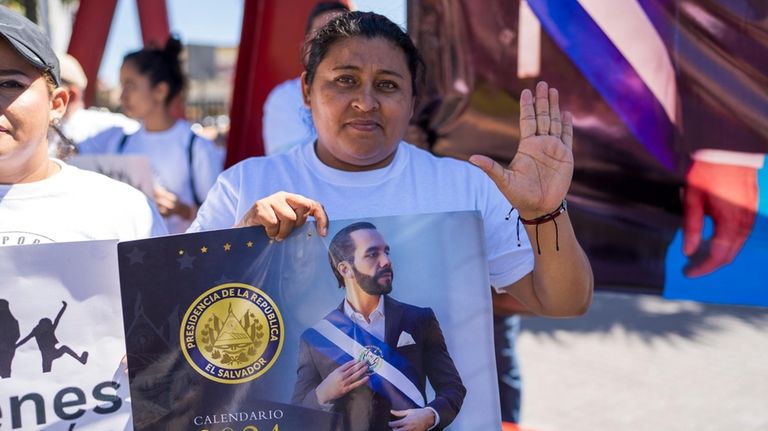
<point>540,220</point>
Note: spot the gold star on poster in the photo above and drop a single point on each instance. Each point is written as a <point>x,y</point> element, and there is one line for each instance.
<point>227,246</point>
<point>203,249</point>
<point>249,244</point>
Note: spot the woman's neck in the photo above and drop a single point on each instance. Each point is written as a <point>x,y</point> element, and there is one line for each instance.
<point>35,169</point>
<point>328,159</point>
<point>159,121</point>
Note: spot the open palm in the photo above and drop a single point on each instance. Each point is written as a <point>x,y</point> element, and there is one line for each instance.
<point>538,178</point>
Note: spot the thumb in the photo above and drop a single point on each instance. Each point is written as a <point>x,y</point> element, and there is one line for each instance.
<point>494,170</point>
<point>399,413</point>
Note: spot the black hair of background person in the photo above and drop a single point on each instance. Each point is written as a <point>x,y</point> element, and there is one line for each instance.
<point>321,8</point>
<point>161,65</point>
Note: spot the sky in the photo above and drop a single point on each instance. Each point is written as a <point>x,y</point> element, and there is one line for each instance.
<point>195,21</point>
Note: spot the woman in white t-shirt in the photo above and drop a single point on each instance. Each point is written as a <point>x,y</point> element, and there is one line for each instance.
<point>185,165</point>
<point>44,199</point>
<point>360,83</point>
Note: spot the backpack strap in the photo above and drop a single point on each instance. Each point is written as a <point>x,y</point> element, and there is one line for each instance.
<point>190,153</point>
<point>190,146</point>
<point>121,145</point>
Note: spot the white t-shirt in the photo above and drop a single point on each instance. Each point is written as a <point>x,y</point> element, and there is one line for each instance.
<point>416,182</point>
<point>75,205</point>
<point>87,123</point>
<point>168,154</point>
<point>287,123</point>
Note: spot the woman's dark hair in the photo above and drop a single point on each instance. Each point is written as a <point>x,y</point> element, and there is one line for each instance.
<point>161,65</point>
<point>361,24</point>
<point>321,8</point>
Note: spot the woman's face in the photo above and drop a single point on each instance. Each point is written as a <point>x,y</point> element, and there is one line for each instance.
<point>361,101</point>
<point>139,98</point>
<point>26,110</point>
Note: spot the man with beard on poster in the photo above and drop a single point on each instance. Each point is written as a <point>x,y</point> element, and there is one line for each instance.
<point>368,359</point>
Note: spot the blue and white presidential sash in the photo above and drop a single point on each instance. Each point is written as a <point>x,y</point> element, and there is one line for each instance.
<point>626,63</point>
<point>390,374</point>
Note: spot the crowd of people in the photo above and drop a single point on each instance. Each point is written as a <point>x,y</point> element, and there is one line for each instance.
<point>356,96</point>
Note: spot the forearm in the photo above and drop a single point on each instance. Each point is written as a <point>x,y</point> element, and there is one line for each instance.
<point>561,284</point>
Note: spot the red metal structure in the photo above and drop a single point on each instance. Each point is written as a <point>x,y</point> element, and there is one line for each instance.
<point>153,18</point>
<point>270,46</point>
<point>91,29</point>
<point>89,37</point>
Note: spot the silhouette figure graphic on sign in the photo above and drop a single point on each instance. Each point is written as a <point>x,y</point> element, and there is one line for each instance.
<point>9,334</point>
<point>46,342</point>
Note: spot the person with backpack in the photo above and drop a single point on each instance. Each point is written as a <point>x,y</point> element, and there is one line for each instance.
<point>184,164</point>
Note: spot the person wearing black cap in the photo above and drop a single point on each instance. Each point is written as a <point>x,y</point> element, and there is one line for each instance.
<point>44,199</point>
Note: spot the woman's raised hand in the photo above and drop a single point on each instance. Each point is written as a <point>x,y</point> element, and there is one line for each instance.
<point>538,178</point>
<point>281,212</point>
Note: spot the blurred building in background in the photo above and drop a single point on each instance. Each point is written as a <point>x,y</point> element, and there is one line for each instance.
<point>211,70</point>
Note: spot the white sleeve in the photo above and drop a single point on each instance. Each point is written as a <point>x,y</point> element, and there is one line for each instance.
<point>510,257</point>
<point>219,211</point>
<point>157,224</point>
<point>136,215</point>
<point>207,164</point>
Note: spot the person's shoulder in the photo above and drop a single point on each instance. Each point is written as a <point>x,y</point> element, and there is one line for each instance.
<point>423,158</point>
<point>102,140</point>
<point>260,166</point>
<point>309,334</point>
<point>95,184</point>
<point>121,210</point>
<point>291,85</point>
<point>420,154</point>
<point>409,308</point>
<point>290,157</point>
<point>285,91</point>
<point>108,118</point>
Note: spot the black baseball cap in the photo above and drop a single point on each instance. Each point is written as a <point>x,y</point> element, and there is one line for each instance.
<point>29,41</point>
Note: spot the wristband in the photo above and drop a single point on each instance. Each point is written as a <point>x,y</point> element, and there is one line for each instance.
<point>540,220</point>
<point>546,217</point>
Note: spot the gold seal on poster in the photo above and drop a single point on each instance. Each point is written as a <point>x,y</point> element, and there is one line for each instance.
<point>232,333</point>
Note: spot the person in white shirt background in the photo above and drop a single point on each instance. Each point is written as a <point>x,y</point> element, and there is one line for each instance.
<point>80,123</point>
<point>287,121</point>
<point>185,165</point>
<point>360,84</point>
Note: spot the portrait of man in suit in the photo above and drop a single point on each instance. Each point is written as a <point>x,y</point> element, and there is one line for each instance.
<point>368,360</point>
